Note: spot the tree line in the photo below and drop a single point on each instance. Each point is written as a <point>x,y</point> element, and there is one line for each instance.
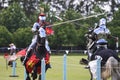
<point>15,27</point>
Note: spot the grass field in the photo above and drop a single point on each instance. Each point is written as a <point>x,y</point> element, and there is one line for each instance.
<point>75,71</point>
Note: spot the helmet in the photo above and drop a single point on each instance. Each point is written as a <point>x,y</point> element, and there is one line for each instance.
<point>11,44</point>
<point>42,14</point>
<point>42,17</point>
<point>102,21</point>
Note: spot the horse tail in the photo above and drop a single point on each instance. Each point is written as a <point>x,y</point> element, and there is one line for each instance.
<point>110,64</point>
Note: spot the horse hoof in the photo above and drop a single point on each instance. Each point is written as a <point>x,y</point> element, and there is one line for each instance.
<point>86,67</point>
<point>83,61</point>
<point>34,76</point>
<point>28,78</point>
<point>39,77</point>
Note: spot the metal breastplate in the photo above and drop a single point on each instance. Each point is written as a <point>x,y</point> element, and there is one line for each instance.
<point>102,35</point>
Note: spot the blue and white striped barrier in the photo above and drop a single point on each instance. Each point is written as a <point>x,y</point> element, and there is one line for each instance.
<point>43,69</point>
<point>99,68</point>
<point>43,76</point>
<point>65,65</point>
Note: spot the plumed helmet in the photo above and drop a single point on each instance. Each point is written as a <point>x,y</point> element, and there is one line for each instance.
<point>42,14</point>
<point>102,21</point>
<point>42,17</point>
<point>11,44</point>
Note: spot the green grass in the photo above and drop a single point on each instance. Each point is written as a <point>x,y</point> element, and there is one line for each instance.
<point>75,71</point>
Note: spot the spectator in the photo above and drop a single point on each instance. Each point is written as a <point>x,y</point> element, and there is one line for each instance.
<point>12,49</point>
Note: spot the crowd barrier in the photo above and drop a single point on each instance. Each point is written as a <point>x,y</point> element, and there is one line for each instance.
<point>43,75</point>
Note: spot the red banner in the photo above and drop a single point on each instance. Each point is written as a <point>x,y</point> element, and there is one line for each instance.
<point>49,31</point>
<point>31,63</point>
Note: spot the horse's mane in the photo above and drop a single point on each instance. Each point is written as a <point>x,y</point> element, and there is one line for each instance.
<point>110,65</point>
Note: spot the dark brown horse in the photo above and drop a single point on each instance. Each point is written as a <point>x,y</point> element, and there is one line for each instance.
<point>33,61</point>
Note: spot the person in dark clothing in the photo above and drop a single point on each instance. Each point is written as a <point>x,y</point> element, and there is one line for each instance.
<point>105,54</point>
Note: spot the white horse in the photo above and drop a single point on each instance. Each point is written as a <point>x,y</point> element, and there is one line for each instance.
<point>110,69</point>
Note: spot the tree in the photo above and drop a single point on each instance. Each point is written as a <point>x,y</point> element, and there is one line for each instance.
<point>85,7</point>
<point>5,37</point>
<point>65,35</point>
<point>116,19</point>
<point>114,27</point>
<point>13,17</point>
<point>23,37</point>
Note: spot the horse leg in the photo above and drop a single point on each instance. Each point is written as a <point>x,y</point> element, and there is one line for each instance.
<point>28,77</point>
<point>47,67</point>
<point>91,76</point>
<point>34,74</point>
<point>39,77</point>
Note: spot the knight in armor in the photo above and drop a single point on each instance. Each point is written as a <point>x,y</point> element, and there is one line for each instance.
<point>100,34</point>
<point>97,44</point>
<point>38,29</point>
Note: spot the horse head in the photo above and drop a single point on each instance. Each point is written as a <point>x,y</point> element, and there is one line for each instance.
<point>84,61</point>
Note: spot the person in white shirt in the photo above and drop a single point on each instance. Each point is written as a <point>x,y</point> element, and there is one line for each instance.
<point>12,49</point>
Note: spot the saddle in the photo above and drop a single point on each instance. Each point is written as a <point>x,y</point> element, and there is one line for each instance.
<point>34,60</point>
<point>105,54</point>
<point>31,63</point>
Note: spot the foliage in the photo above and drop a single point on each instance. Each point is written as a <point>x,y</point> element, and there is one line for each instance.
<point>13,17</point>
<point>23,37</point>
<point>45,6</point>
<point>116,19</point>
<point>81,38</point>
<point>64,35</point>
<point>29,7</point>
<point>114,27</point>
<point>5,37</point>
<point>72,14</point>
